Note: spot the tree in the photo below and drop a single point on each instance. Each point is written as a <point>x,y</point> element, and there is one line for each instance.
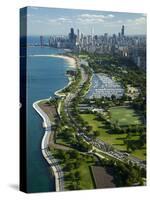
<point>78,175</point>
<point>88,128</point>
<point>72,176</point>
<point>66,156</point>
<point>77,164</point>
<point>69,166</point>
<point>73,186</point>
<point>96,133</point>
<point>61,154</point>
<point>142,139</point>
<point>75,154</point>
<point>113,97</point>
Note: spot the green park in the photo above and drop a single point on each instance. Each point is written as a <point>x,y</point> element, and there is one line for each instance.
<point>124,117</point>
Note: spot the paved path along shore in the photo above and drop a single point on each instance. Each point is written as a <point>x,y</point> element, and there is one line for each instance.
<point>58,173</point>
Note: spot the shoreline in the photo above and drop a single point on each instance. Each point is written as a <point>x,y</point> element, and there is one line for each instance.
<point>69,77</point>
<point>44,147</point>
<point>59,91</point>
<point>70,60</point>
<point>58,174</point>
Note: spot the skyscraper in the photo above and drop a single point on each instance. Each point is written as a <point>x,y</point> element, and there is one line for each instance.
<point>72,38</point>
<point>41,41</point>
<point>71,35</point>
<point>78,36</point>
<point>122,30</point>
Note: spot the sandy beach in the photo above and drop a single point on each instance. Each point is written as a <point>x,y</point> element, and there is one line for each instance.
<point>71,61</point>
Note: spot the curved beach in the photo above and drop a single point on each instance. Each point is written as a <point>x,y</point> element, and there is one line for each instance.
<point>71,61</point>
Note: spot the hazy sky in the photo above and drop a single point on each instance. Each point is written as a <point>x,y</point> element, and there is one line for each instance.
<point>54,21</point>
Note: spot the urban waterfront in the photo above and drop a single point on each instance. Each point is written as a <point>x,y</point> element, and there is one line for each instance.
<point>93,128</point>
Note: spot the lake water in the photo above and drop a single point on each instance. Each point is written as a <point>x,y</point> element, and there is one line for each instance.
<point>45,75</point>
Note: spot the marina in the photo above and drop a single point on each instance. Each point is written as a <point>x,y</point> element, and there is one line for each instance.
<point>104,86</point>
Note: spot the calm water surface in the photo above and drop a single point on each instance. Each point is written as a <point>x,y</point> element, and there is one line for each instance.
<point>45,75</point>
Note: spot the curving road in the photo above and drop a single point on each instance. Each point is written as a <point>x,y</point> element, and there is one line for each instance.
<point>98,144</point>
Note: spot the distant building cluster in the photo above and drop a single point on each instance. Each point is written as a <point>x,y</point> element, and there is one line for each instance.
<point>133,47</point>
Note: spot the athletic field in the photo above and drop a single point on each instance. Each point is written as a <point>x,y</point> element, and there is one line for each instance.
<point>124,116</point>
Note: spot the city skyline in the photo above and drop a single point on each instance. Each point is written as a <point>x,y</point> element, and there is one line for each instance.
<point>47,21</point>
<point>83,92</point>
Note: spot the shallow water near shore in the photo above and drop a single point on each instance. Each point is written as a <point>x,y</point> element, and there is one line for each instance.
<point>45,75</point>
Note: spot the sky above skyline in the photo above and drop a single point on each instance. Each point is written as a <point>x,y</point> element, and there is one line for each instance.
<point>56,21</point>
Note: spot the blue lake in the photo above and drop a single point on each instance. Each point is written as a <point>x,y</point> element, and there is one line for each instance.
<point>45,75</point>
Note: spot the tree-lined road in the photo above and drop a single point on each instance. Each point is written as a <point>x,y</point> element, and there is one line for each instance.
<point>97,143</point>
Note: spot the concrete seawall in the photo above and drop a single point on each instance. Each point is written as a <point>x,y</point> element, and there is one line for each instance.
<point>58,173</point>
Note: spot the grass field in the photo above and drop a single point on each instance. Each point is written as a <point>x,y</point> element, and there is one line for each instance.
<point>112,139</point>
<point>86,181</point>
<point>140,153</point>
<point>124,116</point>
<point>117,140</point>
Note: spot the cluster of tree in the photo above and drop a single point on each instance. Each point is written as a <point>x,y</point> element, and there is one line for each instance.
<point>107,102</point>
<point>96,133</point>
<point>130,130</point>
<point>75,102</point>
<point>71,161</point>
<point>86,84</point>
<point>83,145</point>
<point>72,87</point>
<point>136,143</point>
<point>116,128</point>
<point>65,133</point>
<point>140,104</point>
<point>68,155</point>
<point>125,174</point>
<point>52,101</point>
